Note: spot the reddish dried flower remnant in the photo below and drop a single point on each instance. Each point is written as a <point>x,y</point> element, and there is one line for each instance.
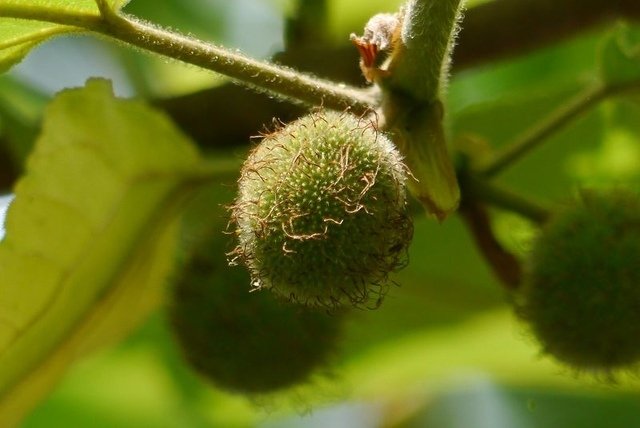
<point>380,34</point>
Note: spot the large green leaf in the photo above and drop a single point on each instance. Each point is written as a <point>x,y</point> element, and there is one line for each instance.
<point>90,236</point>
<point>19,36</point>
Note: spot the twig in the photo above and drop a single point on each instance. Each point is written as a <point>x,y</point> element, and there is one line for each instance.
<point>505,266</point>
<point>539,132</point>
<point>261,75</point>
<point>505,199</point>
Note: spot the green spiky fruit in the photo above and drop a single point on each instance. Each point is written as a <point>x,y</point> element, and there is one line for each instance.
<point>245,342</point>
<point>321,211</point>
<point>582,297</point>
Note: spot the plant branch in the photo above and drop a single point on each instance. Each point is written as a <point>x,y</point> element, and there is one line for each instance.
<point>502,29</point>
<point>419,64</point>
<point>257,74</point>
<point>104,7</point>
<point>504,199</point>
<point>552,123</point>
<point>477,193</point>
<point>411,82</point>
<point>504,265</point>
<point>539,132</point>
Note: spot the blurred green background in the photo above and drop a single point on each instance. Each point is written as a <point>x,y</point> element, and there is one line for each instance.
<point>444,350</point>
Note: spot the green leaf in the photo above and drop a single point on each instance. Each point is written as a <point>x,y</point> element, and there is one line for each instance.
<point>90,236</point>
<point>19,36</point>
<point>620,56</point>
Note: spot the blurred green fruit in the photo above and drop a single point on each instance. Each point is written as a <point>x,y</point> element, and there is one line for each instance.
<point>582,296</point>
<point>241,341</point>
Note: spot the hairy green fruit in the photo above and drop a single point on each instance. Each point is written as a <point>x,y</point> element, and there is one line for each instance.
<point>245,342</point>
<point>321,211</point>
<point>582,297</point>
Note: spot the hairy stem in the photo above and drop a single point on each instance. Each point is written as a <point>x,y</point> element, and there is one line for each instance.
<point>257,74</point>
<point>419,65</point>
<point>412,82</point>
